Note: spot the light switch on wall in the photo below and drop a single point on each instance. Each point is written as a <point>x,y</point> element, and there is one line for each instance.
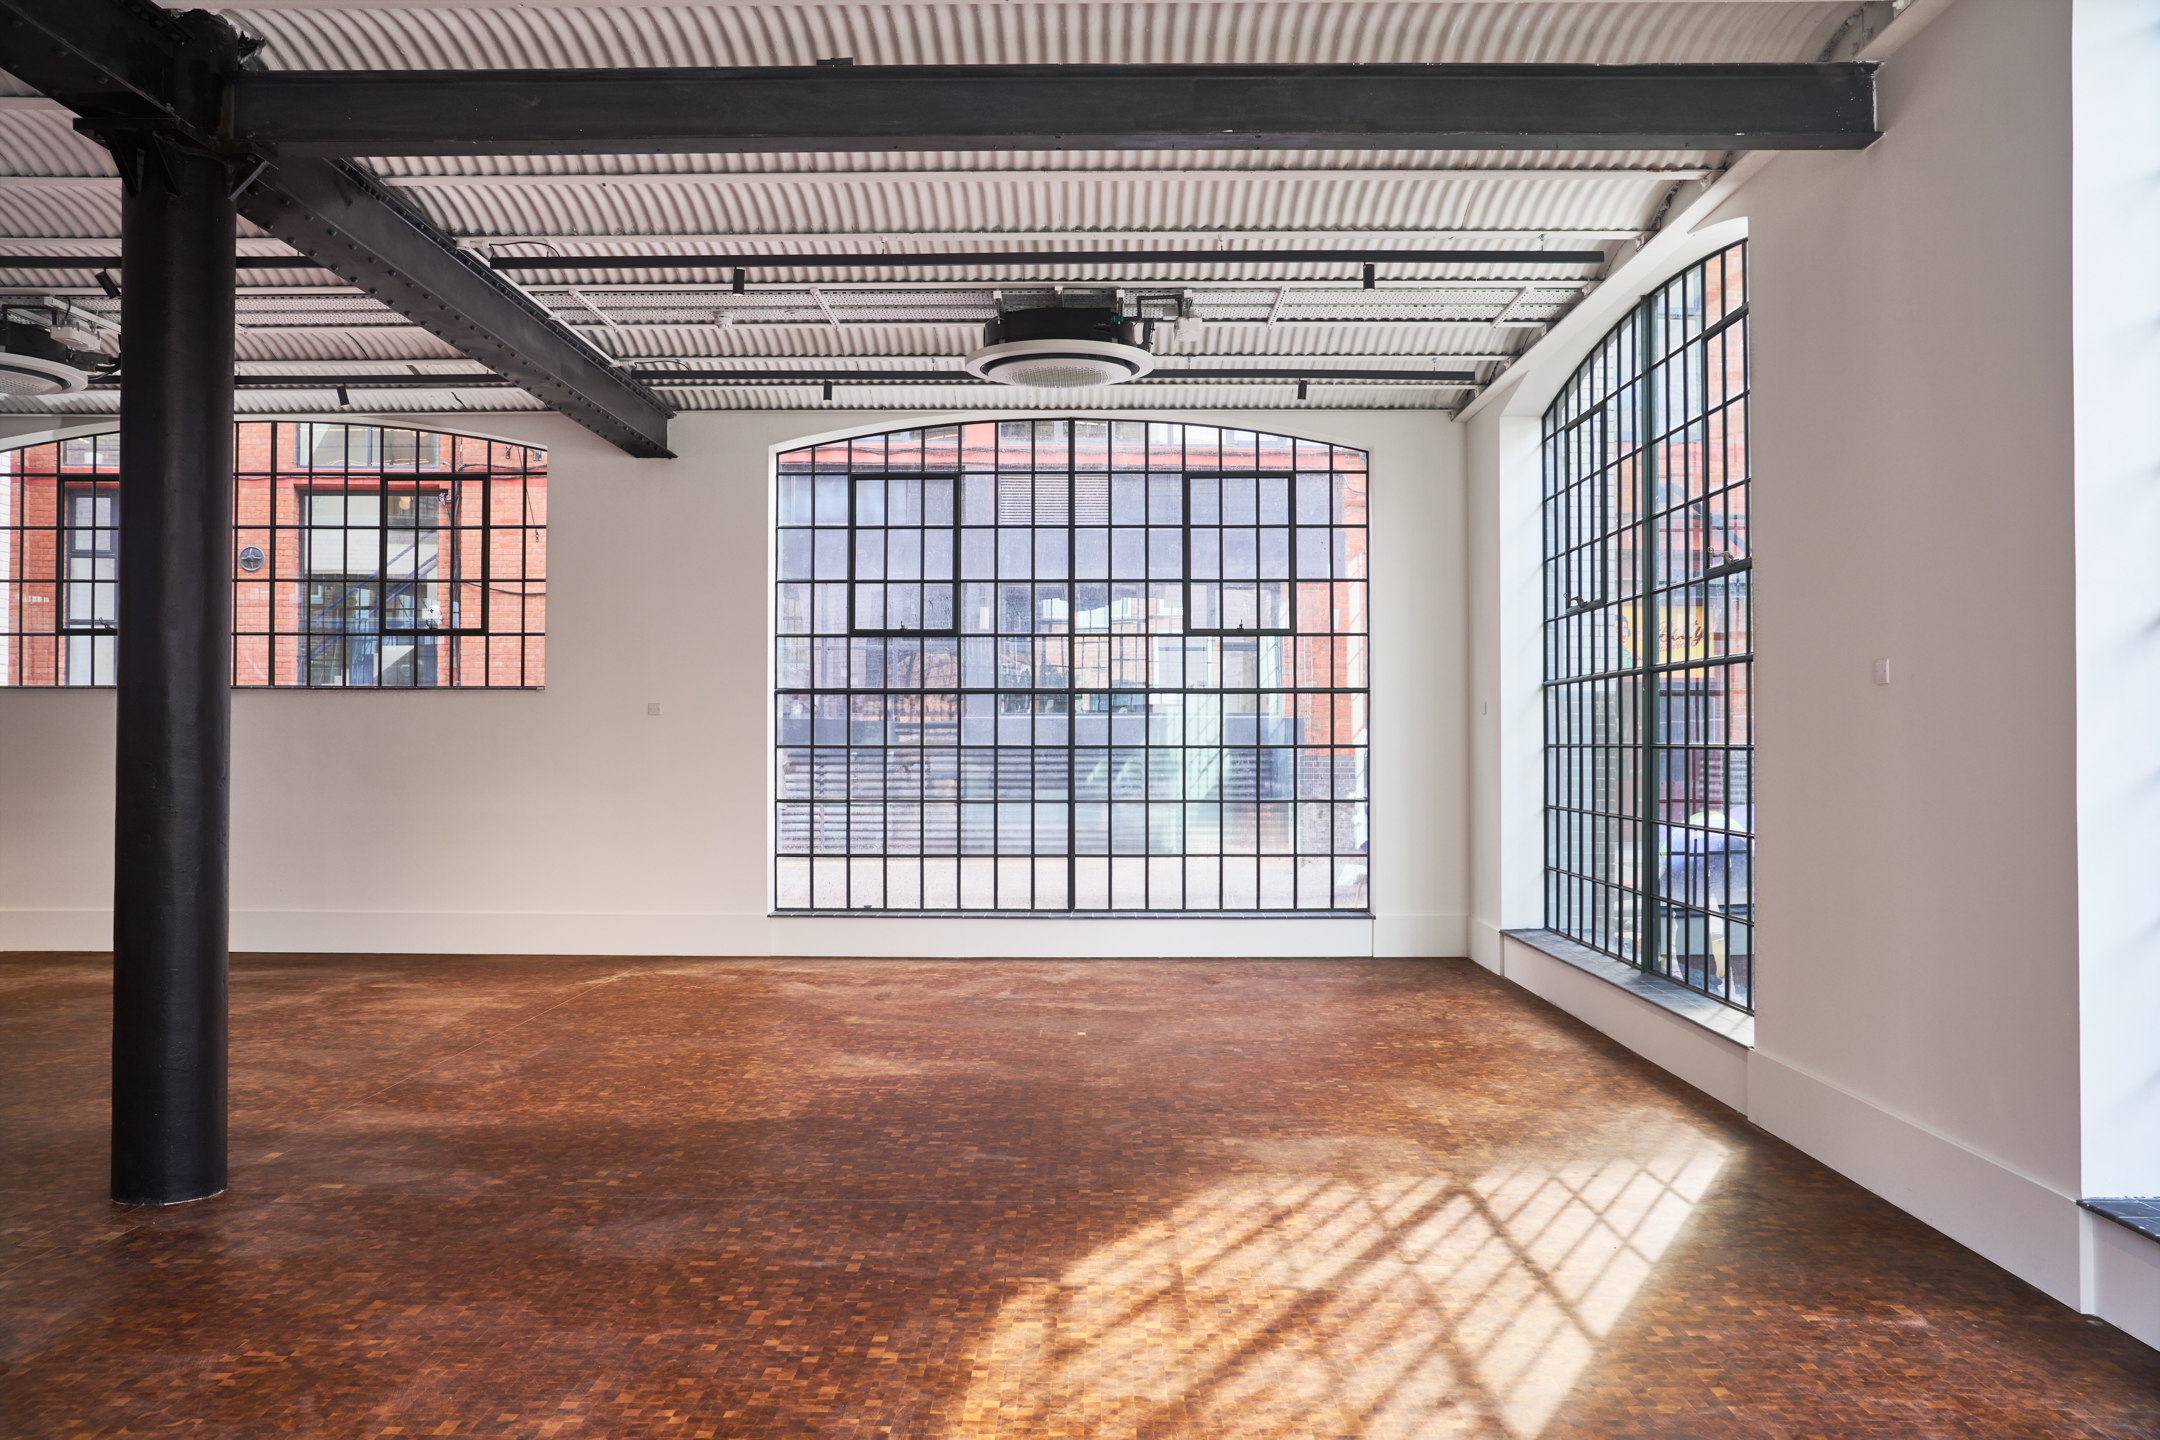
<point>1882,672</point>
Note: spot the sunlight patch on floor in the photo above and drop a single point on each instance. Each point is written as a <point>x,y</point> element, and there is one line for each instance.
<point>1418,1307</point>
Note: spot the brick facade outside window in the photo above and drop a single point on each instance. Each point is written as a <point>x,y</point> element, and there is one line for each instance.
<point>363,556</point>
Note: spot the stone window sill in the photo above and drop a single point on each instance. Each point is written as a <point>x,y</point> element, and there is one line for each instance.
<point>2141,1214</point>
<point>1715,1016</point>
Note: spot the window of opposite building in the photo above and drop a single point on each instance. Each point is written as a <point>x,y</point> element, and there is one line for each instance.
<point>1649,651</point>
<point>363,556</point>
<point>1071,665</point>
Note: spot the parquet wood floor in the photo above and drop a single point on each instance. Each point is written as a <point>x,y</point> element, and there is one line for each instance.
<point>1139,1200</point>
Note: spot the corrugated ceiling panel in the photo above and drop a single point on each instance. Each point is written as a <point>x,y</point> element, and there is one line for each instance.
<point>1040,34</point>
<point>384,402</point>
<point>340,345</point>
<point>937,398</point>
<point>791,342</point>
<point>75,212</point>
<point>1216,396</point>
<point>746,342</point>
<point>1084,161</point>
<point>1163,199</point>
<point>1046,205</point>
<point>457,366</point>
<point>43,142</point>
<point>1035,273</point>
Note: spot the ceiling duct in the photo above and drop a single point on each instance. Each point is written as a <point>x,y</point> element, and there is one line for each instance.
<point>1061,347</point>
<point>41,355</point>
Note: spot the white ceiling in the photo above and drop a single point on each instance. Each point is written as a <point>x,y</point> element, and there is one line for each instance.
<point>58,195</point>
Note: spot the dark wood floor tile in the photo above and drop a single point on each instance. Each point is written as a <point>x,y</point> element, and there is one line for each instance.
<point>1143,1200</point>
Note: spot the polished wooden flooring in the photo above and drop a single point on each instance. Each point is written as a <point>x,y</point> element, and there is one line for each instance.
<point>1171,1200</point>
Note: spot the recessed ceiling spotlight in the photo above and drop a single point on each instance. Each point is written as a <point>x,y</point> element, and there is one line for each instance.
<point>1059,347</point>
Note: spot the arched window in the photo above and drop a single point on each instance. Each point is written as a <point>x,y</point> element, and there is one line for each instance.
<point>1649,835</point>
<point>1070,666</point>
<point>363,556</point>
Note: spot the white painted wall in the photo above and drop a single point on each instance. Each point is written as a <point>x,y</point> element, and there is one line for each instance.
<point>569,821</point>
<point>1932,489</point>
<point>1913,442</point>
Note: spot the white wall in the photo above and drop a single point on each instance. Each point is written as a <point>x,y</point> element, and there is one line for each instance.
<point>1913,439</point>
<point>1928,492</point>
<point>567,820</point>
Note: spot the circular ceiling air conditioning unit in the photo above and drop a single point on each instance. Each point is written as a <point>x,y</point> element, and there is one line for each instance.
<point>33,363</point>
<point>1061,348</point>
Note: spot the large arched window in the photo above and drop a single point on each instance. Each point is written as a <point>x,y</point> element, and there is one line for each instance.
<point>1069,666</point>
<point>1649,835</point>
<point>363,556</point>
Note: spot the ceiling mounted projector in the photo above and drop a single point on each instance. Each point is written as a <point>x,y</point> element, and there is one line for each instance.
<point>1060,347</point>
<point>34,363</point>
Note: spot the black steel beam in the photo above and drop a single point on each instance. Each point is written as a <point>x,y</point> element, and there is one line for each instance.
<point>1059,107</point>
<point>1037,258</point>
<point>175,689</point>
<point>157,88</point>
<point>332,212</point>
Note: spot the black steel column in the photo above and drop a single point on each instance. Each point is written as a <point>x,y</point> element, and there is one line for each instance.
<point>169,853</point>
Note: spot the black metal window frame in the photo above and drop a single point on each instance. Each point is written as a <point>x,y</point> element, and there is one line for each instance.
<point>1289,578</point>
<point>46,642</point>
<point>103,591</point>
<point>450,537</point>
<point>857,529</point>
<point>1648,626</point>
<point>1074,702</point>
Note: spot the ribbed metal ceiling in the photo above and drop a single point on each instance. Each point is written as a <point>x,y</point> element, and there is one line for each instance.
<point>567,36</point>
<point>57,195</point>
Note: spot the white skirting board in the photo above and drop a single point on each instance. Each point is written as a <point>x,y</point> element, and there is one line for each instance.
<point>383,932</point>
<point>2026,1227</point>
<point>2029,1228</point>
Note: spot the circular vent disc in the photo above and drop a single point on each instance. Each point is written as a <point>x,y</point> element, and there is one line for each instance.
<point>26,375</point>
<point>1060,364</point>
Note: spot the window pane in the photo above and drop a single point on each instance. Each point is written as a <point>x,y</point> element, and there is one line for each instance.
<point>1094,668</point>
<point>362,555</point>
<point>1648,640</point>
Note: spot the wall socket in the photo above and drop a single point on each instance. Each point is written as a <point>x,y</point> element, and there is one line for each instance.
<point>653,708</point>
<point>1882,672</point>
